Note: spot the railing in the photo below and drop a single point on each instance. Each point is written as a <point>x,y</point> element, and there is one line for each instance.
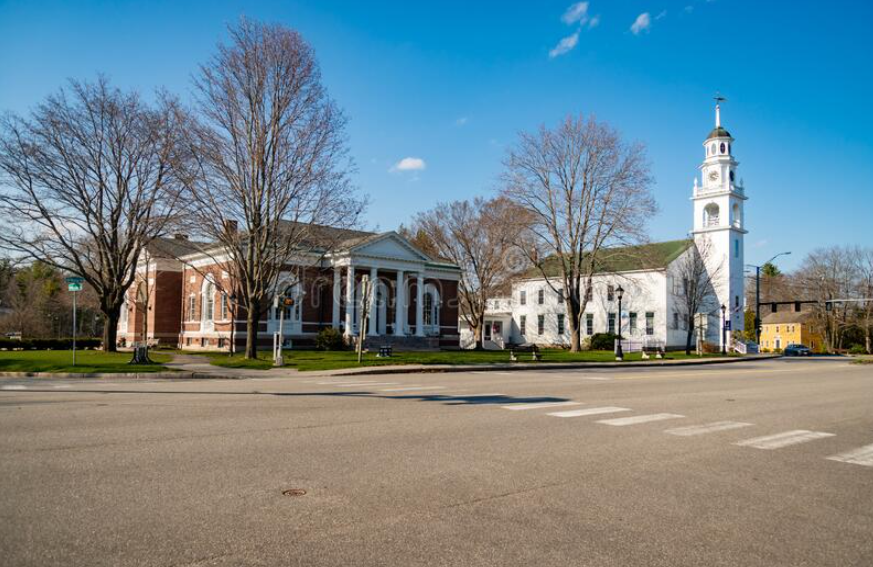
<point>640,346</point>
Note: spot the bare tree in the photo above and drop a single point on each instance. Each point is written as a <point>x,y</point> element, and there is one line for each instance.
<point>583,189</point>
<point>693,290</point>
<point>864,266</point>
<point>271,161</point>
<point>828,275</point>
<point>90,178</point>
<point>478,236</point>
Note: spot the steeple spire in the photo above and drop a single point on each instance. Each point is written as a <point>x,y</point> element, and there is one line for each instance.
<point>718,100</point>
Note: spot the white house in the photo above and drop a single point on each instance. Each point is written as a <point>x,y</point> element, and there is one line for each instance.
<point>649,274</point>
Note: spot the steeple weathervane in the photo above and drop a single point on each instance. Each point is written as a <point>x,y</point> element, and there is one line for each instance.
<point>718,100</point>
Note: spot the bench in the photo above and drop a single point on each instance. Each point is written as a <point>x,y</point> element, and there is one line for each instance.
<point>531,348</point>
<point>384,352</point>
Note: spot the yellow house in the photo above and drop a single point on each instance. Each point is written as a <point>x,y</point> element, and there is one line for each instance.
<point>778,330</point>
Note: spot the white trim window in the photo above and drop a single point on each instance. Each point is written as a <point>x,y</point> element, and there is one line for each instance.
<point>208,301</point>
<point>192,307</point>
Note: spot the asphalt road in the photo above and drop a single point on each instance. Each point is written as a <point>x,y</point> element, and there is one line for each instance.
<point>759,463</point>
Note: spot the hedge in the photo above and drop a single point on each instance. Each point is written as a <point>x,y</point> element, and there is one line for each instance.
<point>49,344</point>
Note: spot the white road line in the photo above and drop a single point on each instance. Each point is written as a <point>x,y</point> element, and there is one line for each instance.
<point>415,388</point>
<point>334,383</point>
<point>538,405</point>
<point>862,456</point>
<point>494,395</point>
<point>13,387</point>
<point>597,378</point>
<point>784,439</point>
<point>692,430</point>
<point>588,411</point>
<point>621,421</point>
<point>367,384</point>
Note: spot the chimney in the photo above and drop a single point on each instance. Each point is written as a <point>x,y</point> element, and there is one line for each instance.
<point>180,236</point>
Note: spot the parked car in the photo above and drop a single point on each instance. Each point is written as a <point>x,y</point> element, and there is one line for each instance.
<point>796,350</point>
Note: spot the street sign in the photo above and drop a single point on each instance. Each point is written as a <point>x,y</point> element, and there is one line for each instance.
<point>727,325</point>
<point>74,283</point>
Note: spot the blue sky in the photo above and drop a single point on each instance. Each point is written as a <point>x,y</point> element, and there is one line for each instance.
<point>451,83</point>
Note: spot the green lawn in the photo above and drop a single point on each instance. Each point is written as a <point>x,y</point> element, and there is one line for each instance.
<point>307,360</point>
<point>86,361</point>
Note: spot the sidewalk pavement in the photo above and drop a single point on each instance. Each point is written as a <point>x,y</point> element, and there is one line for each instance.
<point>187,367</point>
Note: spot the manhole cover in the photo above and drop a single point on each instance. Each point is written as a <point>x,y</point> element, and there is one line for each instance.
<point>294,492</point>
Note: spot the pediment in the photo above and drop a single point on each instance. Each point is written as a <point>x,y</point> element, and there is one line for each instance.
<point>389,245</point>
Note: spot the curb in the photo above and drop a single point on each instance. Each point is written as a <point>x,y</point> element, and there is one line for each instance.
<point>521,366</point>
<point>122,375</point>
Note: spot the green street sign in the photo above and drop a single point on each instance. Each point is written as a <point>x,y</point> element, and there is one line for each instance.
<point>74,283</point>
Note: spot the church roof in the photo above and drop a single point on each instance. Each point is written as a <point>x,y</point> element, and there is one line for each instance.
<point>652,256</point>
<point>719,132</point>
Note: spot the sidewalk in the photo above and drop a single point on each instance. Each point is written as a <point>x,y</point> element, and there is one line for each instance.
<point>193,367</point>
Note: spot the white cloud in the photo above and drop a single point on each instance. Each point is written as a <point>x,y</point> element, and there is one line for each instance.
<point>662,15</point>
<point>761,243</point>
<point>594,22</point>
<point>409,164</point>
<point>641,24</point>
<point>461,121</point>
<point>565,45</point>
<point>577,12</point>
<point>689,9</point>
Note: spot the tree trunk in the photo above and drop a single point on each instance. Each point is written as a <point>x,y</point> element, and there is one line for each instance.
<point>688,338</point>
<point>575,340</point>
<point>252,319</point>
<point>110,330</point>
<point>479,335</point>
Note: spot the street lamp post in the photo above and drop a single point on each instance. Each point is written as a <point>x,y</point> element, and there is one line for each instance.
<point>758,294</point>
<point>723,329</point>
<point>619,352</point>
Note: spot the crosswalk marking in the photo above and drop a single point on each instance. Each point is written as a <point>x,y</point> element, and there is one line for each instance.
<point>415,388</point>
<point>784,439</point>
<point>537,405</point>
<point>637,419</point>
<point>356,384</point>
<point>707,428</point>
<point>344,382</point>
<point>862,456</point>
<point>588,411</point>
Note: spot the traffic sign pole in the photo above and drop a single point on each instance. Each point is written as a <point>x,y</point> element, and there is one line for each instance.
<point>74,285</point>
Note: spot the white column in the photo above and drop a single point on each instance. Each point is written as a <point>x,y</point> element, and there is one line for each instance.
<point>374,279</point>
<point>337,296</point>
<point>400,304</point>
<point>350,300</point>
<point>419,305</point>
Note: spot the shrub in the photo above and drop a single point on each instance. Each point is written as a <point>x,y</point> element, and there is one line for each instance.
<point>857,349</point>
<point>329,339</point>
<point>49,344</point>
<point>710,348</point>
<point>603,341</point>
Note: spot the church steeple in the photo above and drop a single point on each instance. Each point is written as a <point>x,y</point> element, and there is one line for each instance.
<point>718,217</point>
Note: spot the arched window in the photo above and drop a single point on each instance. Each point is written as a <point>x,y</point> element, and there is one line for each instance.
<point>711,215</point>
<point>738,216</point>
<point>712,149</point>
<point>431,305</point>
<point>208,301</point>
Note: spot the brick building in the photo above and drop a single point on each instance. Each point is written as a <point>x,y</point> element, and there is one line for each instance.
<point>191,295</point>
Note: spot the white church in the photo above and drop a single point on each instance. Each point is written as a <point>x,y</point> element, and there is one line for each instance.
<point>649,275</point>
